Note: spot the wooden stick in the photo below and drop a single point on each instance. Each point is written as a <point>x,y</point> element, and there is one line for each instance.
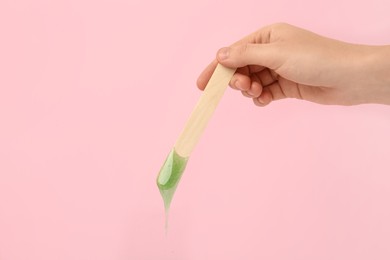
<point>203,110</point>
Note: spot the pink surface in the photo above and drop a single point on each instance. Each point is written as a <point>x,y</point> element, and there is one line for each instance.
<point>93,95</point>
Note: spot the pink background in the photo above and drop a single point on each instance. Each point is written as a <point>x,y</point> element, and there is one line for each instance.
<point>93,95</point>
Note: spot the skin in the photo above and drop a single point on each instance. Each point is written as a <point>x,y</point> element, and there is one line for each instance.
<point>283,61</point>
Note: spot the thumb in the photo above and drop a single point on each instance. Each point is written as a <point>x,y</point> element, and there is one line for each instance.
<point>266,55</point>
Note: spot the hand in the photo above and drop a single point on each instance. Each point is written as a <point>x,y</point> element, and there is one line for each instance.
<point>282,61</point>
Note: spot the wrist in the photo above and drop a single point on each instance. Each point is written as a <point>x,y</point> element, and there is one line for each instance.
<point>376,65</point>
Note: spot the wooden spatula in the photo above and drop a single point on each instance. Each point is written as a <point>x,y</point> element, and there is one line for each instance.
<point>174,165</point>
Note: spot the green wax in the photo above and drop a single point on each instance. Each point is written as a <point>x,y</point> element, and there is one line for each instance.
<point>169,177</point>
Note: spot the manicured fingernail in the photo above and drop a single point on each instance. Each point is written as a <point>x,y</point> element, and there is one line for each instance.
<point>223,53</point>
<point>261,100</point>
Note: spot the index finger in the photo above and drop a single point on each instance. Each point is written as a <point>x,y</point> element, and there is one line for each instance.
<point>205,76</point>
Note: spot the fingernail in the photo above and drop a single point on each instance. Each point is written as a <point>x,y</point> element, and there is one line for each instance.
<point>223,53</point>
<point>261,100</point>
<point>237,84</point>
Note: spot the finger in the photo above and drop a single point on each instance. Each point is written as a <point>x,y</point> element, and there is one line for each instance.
<point>266,78</point>
<point>254,68</point>
<point>270,93</point>
<point>240,82</point>
<point>264,99</point>
<point>205,76</point>
<point>245,94</point>
<point>244,71</point>
<point>258,103</point>
<point>267,55</point>
<point>256,87</point>
<point>276,91</point>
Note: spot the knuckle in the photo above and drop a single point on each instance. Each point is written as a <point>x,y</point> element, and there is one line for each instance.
<point>243,49</point>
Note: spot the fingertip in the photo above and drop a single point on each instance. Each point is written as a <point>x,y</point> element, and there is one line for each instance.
<point>239,84</point>
<point>255,89</point>
<point>243,82</point>
<point>264,99</point>
<point>246,94</point>
<point>232,84</point>
<point>223,54</point>
<point>257,102</point>
<point>206,74</point>
<point>200,83</point>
